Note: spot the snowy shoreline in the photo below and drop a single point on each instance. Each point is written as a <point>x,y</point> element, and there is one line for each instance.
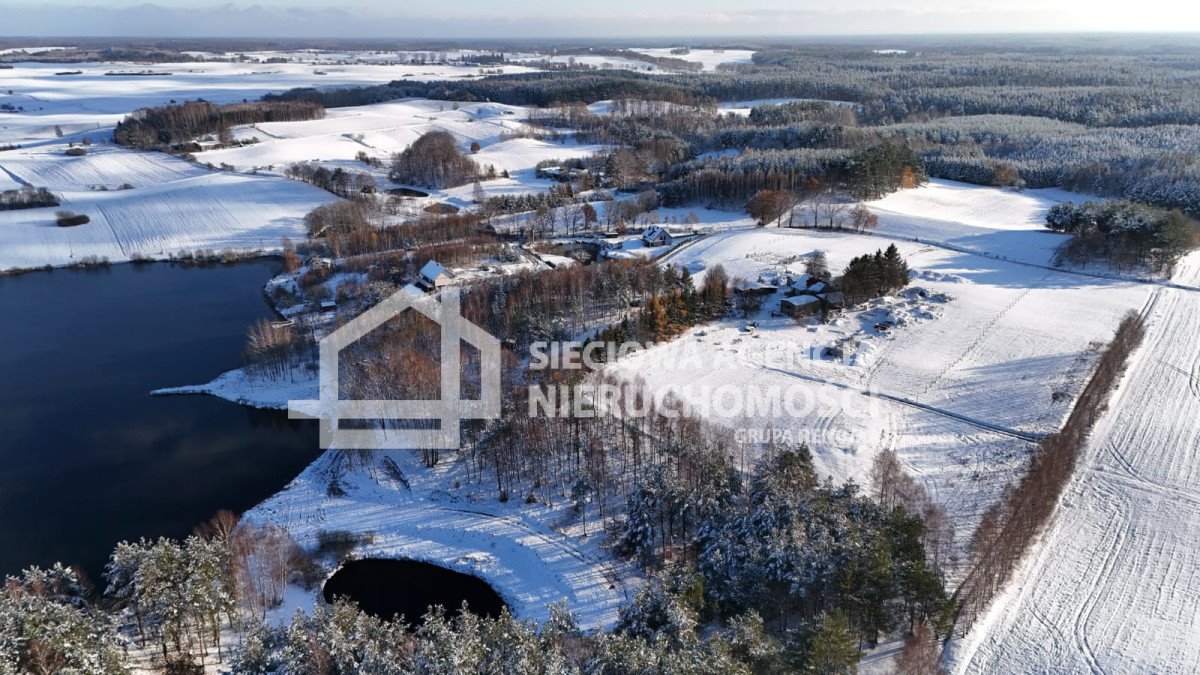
<point>531,555</point>
<point>239,386</point>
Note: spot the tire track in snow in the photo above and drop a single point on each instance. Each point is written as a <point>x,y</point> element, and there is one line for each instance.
<point>1124,582</point>
<point>1117,528</point>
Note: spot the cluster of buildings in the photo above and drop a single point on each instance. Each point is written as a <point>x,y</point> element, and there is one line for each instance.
<point>802,295</point>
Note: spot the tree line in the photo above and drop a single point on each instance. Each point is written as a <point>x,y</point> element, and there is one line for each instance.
<point>174,127</point>
<point>1009,528</point>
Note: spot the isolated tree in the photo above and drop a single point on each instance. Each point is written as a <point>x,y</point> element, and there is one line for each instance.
<point>1005,175</point>
<point>895,269</point>
<point>767,206</point>
<point>474,147</point>
<point>817,266</point>
<point>589,215</point>
<point>219,527</point>
<point>861,218</point>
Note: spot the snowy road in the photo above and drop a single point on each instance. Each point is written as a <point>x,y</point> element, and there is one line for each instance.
<point>1114,586</point>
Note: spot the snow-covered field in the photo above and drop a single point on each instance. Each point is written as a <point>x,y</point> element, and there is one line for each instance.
<point>171,207</point>
<point>602,62</point>
<point>40,91</point>
<point>1114,584</point>
<point>176,205</point>
<point>961,386</point>
<point>709,58</point>
<point>993,221</point>
<point>387,128</point>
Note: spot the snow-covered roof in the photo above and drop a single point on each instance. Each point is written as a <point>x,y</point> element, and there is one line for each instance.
<point>755,286</point>
<point>432,270</point>
<point>800,300</point>
<point>655,231</point>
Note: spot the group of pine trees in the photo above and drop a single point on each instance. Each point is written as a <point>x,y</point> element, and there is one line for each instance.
<point>1123,233</point>
<point>785,545</point>
<point>866,174</point>
<point>872,276</point>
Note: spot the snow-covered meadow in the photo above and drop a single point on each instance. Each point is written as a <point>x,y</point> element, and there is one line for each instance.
<point>709,59</point>
<point>92,91</point>
<point>144,205</point>
<point>505,142</point>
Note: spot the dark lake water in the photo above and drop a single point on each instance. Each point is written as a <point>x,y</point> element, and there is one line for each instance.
<point>87,456</point>
<point>389,588</point>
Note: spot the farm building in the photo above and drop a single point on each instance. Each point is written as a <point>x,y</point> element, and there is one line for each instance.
<point>753,288</point>
<point>800,305</point>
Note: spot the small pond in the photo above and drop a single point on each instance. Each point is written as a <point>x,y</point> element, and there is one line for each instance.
<point>388,588</point>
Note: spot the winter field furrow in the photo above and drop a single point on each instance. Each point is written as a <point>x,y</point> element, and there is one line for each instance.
<point>1113,586</point>
<point>106,166</point>
<point>211,211</point>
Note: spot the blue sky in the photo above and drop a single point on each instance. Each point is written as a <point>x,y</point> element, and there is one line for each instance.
<point>539,18</point>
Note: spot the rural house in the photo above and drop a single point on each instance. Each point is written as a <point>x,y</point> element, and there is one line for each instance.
<point>433,276</point>
<point>656,235</point>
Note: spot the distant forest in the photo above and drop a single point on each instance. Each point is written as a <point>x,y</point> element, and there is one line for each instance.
<point>1119,121</point>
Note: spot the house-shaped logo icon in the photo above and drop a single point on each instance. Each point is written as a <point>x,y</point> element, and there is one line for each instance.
<point>449,409</point>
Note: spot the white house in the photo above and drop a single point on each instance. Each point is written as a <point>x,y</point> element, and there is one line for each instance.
<point>434,276</point>
<point>656,235</point>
